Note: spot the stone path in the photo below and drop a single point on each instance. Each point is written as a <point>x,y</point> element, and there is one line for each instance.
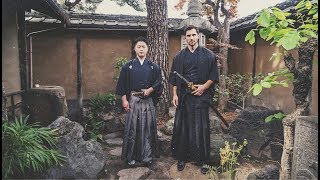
<point>162,168</point>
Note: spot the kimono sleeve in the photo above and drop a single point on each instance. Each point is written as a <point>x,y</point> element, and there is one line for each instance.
<point>157,83</point>
<point>172,77</point>
<point>122,86</point>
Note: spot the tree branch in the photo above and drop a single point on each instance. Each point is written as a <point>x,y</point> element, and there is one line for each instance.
<point>225,11</point>
<point>71,5</point>
<point>216,15</point>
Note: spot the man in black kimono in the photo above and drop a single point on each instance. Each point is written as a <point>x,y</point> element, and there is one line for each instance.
<point>191,132</point>
<point>139,86</point>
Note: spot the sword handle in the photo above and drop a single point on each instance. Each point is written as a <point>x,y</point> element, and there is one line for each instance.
<point>191,86</point>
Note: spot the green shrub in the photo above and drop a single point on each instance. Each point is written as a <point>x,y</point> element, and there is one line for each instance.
<point>101,102</point>
<point>97,105</point>
<point>119,63</point>
<point>27,148</point>
<point>237,86</point>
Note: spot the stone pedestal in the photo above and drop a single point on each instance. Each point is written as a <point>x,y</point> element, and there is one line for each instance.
<point>305,150</point>
<point>44,104</point>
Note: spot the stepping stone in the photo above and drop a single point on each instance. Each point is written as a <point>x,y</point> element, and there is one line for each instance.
<point>112,135</point>
<point>115,141</point>
<point>190,171</point>
<point>116,152</point>
<point>134,173</point>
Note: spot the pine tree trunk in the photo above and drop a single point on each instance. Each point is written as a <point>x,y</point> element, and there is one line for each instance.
<point>157,32</point>
<point>301,88</point>
<point>223,37</point>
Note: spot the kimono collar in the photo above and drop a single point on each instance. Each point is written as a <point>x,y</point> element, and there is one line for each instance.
<point>197,49</point>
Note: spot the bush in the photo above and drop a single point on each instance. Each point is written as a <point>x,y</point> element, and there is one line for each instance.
<point>27,148</point>
<point>119,63</point>
<point>97,105</point>
<point>101,102</point>
<point>237,88</point>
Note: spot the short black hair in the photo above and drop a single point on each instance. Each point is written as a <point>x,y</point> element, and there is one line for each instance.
<point>140,38</point>
<point>188,28</point>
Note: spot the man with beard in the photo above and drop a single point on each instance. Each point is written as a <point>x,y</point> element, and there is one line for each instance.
<point>139,86</point>
<point>191,132</point>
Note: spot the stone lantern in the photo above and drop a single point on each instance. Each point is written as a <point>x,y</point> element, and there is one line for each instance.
<point>205,27</point>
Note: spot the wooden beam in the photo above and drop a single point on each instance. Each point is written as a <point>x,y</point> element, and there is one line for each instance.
<point>79,75</point>
<point>22,43</point>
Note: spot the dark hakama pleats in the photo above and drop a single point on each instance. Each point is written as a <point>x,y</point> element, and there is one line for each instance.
<point>140,142</point>
<point>191,132</point>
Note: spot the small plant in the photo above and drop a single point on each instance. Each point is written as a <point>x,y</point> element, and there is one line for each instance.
<point>119,63</point>
<point>229,156</point>
<point>97,105</point>
<point>101,102</point>
<point>27,148</point>
<point>278,116</point>
<point>228,160</point>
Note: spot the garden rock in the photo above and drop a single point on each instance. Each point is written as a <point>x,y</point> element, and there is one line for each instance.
<point>268,172</point>
<point>112,123</point>
<point>114,141</point>
<point>84,159</point>
<point>165,145</point>
<point>134,173</point>
<point>116,152</point>
<point>172,111</point>
<point>251,125</point>
<point>168,128</point>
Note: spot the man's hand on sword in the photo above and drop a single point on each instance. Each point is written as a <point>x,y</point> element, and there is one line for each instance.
<point>200,88</point>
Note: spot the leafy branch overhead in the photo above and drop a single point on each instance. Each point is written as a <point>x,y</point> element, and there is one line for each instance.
<point>91,5</point>
<point>287,30</point>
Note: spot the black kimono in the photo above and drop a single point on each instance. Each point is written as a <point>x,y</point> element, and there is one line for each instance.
<point>191,132</point>
<point>140,141</point>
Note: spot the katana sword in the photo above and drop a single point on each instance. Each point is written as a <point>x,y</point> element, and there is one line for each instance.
<point>190,84</point>
<point>192,87</point>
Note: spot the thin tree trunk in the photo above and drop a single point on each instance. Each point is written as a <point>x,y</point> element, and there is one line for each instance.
<point>301,88</point>
<point>157,33</point>
<point>224,38</point>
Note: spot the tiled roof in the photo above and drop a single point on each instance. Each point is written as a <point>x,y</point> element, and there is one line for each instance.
<point>101,21</point>
<point>249,21</point>
<point>48,7</point>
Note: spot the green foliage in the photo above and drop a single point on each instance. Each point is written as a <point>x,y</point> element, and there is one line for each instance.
<point>237,87</point>
<point>272,79</point>
<point>136,4</point>
<point>27,148</point>
<point>93,126</point>
<point>277,25</point>
<point>277,116</point>
<point>100,102</point>
<point>229,156</point>
<point>119,63</point>
<point>97,105</point>
<point>228,159</point>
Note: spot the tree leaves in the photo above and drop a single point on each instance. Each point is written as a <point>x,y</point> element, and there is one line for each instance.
<point>251,37</point>
<point>277,116</point>
<point>257,88</point>
<point>264,18</point>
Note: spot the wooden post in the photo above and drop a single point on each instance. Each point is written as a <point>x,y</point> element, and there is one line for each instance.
<point>22,43</point>
<point>79,77</point>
